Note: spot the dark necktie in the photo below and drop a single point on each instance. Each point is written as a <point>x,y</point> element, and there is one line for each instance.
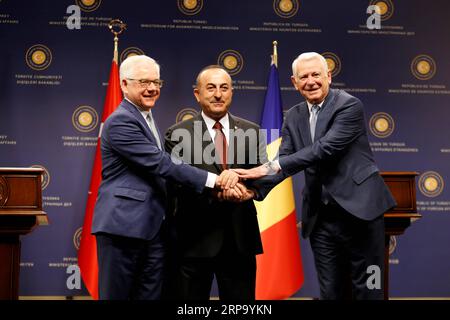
<point>221,145</point>
<point>312,122</point>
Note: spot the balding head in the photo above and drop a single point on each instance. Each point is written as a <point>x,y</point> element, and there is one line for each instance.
<point>218,68</point>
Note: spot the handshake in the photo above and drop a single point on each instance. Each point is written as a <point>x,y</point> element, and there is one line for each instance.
<point>229,188</point>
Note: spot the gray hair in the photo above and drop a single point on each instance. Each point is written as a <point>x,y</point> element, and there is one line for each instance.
<point>128,66</point>
<point>309,56</point>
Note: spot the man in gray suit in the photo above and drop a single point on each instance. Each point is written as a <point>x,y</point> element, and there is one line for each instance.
<point>344,197</point>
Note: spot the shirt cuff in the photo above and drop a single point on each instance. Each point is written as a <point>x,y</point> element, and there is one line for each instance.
<point>277,164</point>
<point>211,180</point>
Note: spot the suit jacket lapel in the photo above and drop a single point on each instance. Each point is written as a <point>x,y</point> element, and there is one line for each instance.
<point>304,124</point>
<point>128,106</point>
<point>325,114</point>
<point>131,108</point>
<point>208,162</point>
<point>232,143</point>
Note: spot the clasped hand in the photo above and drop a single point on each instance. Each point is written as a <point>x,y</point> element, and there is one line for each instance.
<point>231,189</point>
<point>253,173</point>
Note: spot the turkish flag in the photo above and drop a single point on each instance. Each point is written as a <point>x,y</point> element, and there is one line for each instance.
<point>87,254</point>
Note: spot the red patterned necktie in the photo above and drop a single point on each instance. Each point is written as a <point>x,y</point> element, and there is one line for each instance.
<point>221,144</point>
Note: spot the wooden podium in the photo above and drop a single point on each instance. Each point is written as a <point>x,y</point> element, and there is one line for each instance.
<point>20,212</point>
<point>403,188</point>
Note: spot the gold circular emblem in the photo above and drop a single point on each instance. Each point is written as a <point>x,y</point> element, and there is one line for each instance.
<point>38,57</point>
<point>232,61</point>
<point>4,191</point>
<point>85,118</point>
<point>77,238</point>
<point>190,4</point>
<point>45,176</point>
<point>286,5</point>
<point>423,67</point>
<point>186,114</point>
<point>383,7</point>
<point>431,184</point>
<point>333,62</point>
<point>386,8</point>
<point>381,125</point>
<point>286,8</point>
<point>190,7</point>
<point>88,2</point>
<point>88,5</point>
<point>129,52</point>
<point>331,65</point>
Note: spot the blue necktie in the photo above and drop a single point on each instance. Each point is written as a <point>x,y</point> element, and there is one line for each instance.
<point>313,120</point>
<point>152,126</point>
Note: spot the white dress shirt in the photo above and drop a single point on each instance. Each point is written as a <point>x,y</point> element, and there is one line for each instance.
<point>224,121</point>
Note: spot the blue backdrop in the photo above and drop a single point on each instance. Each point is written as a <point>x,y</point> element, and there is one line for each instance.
<point>53,83</point>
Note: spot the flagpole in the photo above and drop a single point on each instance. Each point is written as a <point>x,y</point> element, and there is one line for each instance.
<point>122,27</point>
<point>275,54</point>
<point>279,272</point>
<point>87,253</point>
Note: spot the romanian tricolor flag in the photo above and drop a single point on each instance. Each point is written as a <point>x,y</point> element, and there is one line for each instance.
<point>279,270</point>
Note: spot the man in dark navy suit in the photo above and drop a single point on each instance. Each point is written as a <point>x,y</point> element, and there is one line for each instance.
<point>131,205</point>
<point>344,197</point>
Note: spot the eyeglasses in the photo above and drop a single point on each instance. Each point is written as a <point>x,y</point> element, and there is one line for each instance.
<point>144,83</point>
